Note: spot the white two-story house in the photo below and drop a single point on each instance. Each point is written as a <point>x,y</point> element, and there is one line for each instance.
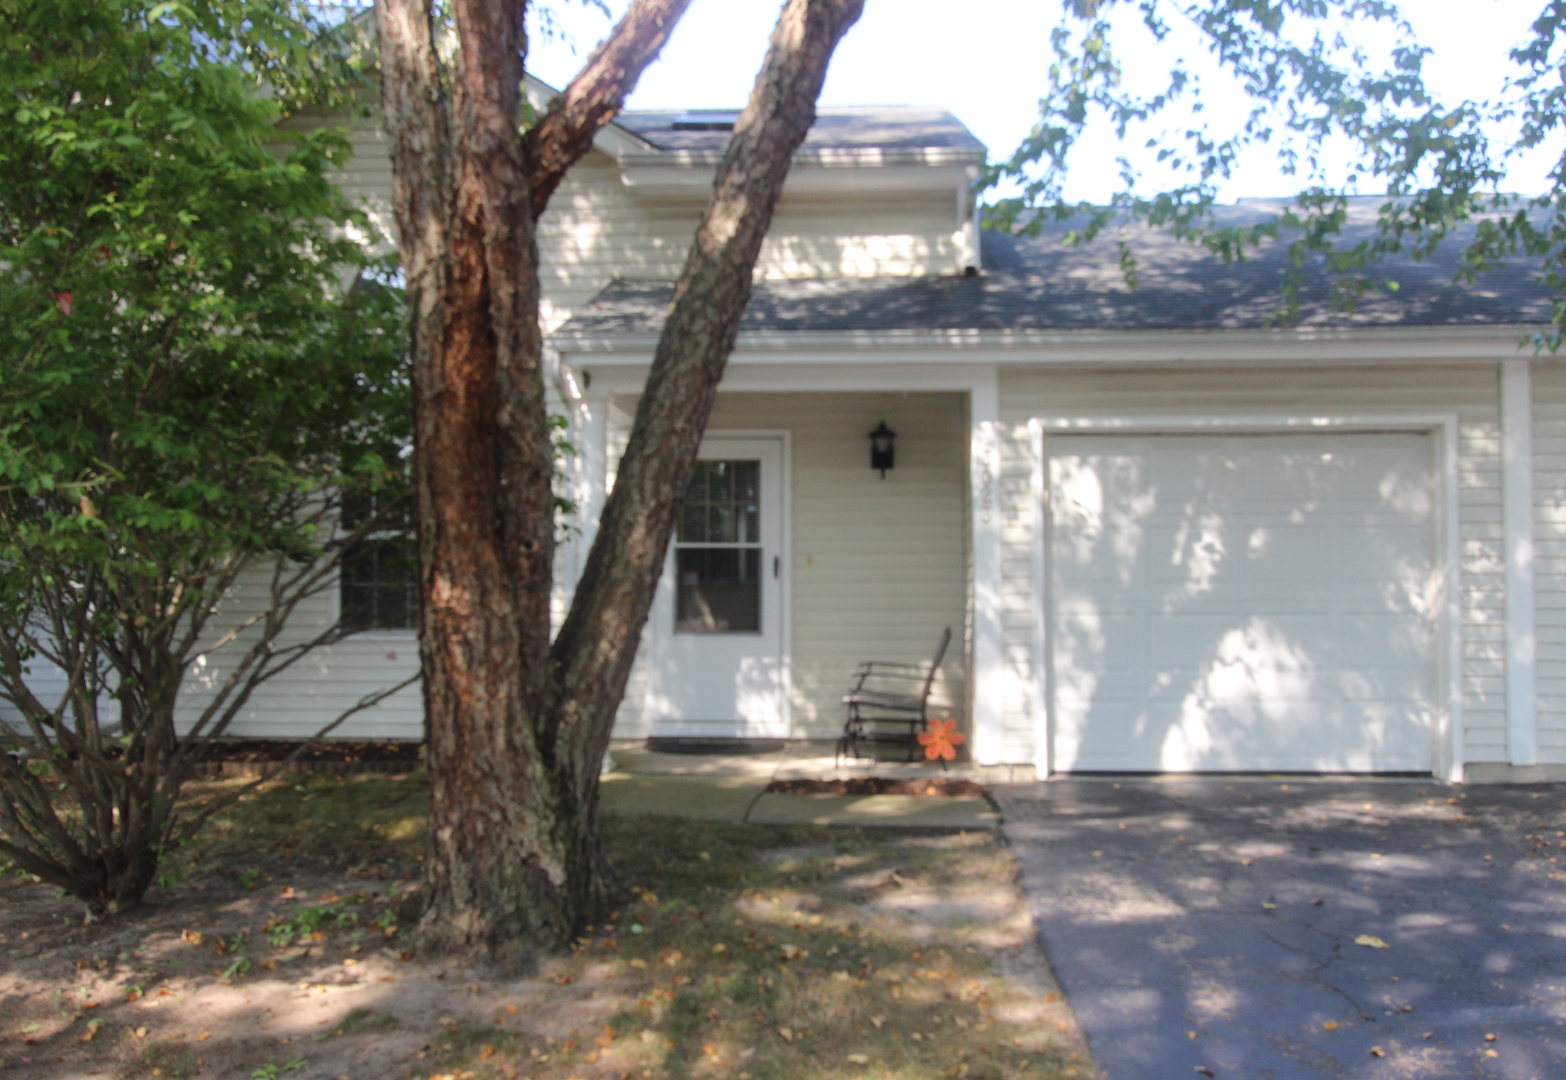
<point>1169,534</point>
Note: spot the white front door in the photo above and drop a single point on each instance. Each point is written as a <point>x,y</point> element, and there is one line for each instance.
<point>716,630</point>
<point>1244,602</point>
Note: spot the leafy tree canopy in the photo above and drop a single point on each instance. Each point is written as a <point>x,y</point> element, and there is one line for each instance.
<point>195,362</point>
<point>1341,118</point>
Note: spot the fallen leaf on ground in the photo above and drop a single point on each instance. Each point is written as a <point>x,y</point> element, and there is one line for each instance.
<point>1330,1025</point>
<point>1371,941</point>
<point>1376,1051</point>
<point>859,1059</point>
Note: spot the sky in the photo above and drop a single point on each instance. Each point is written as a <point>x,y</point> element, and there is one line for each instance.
<point>986,61</point>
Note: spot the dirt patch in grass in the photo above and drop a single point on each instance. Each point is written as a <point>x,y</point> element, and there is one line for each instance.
<point>741,952</point>
<point>878,785</point>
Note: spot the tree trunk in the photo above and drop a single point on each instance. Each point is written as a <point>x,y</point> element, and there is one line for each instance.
<point>516,728</point>
<point>597,644</point>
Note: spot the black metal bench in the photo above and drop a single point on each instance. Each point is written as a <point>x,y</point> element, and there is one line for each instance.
<point>889,703</point>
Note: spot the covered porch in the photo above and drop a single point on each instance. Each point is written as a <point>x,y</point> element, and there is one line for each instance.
<point>797,560</point>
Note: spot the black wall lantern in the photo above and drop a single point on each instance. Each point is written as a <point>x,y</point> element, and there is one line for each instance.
<point>881,440</point>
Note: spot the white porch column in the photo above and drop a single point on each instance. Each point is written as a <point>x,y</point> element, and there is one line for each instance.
<point>1522,728</point>
<point>988,657</point>
<point>590,436</point>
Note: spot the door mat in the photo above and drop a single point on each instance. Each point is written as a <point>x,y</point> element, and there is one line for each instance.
<point>947,787</point>
<point>714,746</point>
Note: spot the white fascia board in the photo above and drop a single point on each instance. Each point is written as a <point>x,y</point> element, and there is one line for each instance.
<point>1205,348</point>
<point>797,378</point>
<point>617,141</point>
<point>826,157</point>
<point>804,179</point>
<point>829,171</point>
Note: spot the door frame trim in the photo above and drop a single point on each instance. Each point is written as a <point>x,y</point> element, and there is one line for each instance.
<point>1447,734</point>
<point>785,438</point>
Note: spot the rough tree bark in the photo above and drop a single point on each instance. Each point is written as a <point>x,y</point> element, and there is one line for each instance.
<point>516,725</point>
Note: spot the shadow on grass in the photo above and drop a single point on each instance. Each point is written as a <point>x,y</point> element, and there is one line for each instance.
<point>742,952</point>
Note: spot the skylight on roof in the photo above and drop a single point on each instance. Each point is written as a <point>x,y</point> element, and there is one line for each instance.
<point>706,120</point>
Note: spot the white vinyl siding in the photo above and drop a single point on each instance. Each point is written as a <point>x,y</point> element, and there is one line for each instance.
<point>48,684</point>
<point>878,567</point>
<point>318,688</point>
<point>1549,532</point>
<point>1469,391</point>
<point>595,230</point>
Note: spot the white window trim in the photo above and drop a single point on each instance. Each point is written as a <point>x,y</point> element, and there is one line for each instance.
<point>1447,736</point>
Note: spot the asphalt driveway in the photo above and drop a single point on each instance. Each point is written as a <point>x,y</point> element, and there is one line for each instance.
<point>1208,927</point>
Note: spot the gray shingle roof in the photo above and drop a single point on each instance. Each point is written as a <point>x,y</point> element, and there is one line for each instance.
<point>1042,285</point>
<point>875,127</point>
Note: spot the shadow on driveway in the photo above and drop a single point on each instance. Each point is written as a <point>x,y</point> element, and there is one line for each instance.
<point>1207,927</point>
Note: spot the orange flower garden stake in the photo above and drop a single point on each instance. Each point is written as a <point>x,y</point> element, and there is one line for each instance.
<point>941,740</point>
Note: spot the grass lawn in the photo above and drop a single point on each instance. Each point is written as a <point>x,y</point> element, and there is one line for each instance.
<point>744,952</point>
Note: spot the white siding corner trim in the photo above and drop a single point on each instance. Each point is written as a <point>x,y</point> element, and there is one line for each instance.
<point>1447,734</point>
<point>989,719</point>
<point>1522,686</point>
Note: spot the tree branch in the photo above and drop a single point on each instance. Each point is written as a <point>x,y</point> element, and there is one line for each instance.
<point>596,645</point>
<point>596,95</point>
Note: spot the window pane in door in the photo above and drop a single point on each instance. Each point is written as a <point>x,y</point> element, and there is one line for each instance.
<point>722,504</point>
<point>717,552</point>
<point>718,590</point>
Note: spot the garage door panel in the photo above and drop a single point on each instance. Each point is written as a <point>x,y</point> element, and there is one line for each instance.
<point>1242,602</point>
<point>1277,550</point>
<point>1109,635</point>
<point>1271,736</point>
<point>1389,640</point>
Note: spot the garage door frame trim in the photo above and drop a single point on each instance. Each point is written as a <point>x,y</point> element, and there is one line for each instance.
<point>1447,751</point>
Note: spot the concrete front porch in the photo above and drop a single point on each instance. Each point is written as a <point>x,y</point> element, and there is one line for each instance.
<point>732,787</point>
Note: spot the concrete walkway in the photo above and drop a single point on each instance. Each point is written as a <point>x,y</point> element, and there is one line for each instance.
<point>1303,929</point>
<point>732,787</point>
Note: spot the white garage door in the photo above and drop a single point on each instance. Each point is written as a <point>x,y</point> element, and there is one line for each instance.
<point>1245,602</point>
